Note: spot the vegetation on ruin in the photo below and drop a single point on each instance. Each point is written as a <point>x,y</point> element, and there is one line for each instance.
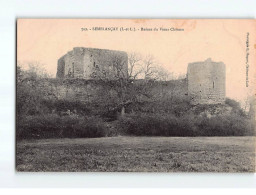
<point>138,107</point>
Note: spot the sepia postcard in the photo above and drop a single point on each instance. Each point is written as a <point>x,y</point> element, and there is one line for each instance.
<point>135,95</point>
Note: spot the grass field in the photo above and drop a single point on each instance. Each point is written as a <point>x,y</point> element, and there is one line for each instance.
<point>138,154</point>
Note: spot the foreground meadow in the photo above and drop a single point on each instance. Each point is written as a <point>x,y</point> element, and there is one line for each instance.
<point>138,154</point>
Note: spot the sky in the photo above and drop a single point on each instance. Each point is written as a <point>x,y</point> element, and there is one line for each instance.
<point>46,40</point>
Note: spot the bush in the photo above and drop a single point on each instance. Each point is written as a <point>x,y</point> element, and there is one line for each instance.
<point>155,125</point>
<point>232,103</point>
<point>64,105</point>
<point>186,125</point>
<point>54,126</point>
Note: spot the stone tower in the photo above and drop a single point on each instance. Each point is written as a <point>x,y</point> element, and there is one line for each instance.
<point>206,82</point>
<point>92,63</point>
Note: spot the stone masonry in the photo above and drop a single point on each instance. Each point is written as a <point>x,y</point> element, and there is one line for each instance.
<point>206,82</point>
<point>91,63</point>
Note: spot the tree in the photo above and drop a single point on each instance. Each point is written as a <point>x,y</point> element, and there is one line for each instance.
<point>34,69</point>
<point>115,76</point>
<point>150,67</point>
<point>154,70</point>
<point>30,89</point>
<point>134,88</point>
<point>162,74</point>
<point>135,65</point>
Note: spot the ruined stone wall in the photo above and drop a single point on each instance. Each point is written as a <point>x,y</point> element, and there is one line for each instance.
<point>90,63</point>
<point>206,82</point>
<point>88,91</point>
<point>61,68</point>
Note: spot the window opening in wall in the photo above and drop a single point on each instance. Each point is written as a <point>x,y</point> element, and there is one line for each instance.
<point>213,84</point>
<point>69,72</point>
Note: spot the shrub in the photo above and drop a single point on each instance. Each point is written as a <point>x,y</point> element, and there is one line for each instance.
<point>186,125</point>
<point>155,125</point>
<point>54,126</point>
<point>64,105</point>
<point>232,103</point>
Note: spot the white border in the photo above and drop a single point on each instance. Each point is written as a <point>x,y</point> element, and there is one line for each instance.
<point>10,10</point>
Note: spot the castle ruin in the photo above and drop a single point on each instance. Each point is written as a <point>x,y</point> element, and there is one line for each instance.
<point>91,63</point>
<point>206,82</point>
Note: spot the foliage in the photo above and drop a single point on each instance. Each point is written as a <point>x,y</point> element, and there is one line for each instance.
<point>232,103</point>
<point>55,126</point>
<point>153,108</point>
<point>30,93</point>
<point>186,125</point>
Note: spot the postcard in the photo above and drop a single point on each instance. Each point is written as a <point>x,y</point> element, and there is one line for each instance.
<point>135,95</point>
